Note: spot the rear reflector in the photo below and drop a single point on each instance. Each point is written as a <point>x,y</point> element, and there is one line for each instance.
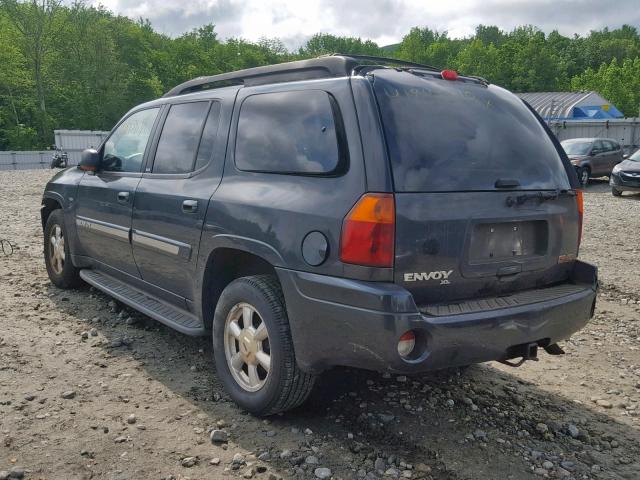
<point>580,202</point>
<point>449,75</point>
<point>406,344</point>
<point>368,231</point>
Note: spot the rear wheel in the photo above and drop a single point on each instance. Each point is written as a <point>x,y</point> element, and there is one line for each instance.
<point>615,192</point>
<point>584,174</point>
<point>62,272</point>
<point>253,349</point>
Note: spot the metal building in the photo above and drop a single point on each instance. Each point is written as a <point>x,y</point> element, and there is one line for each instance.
<point>571,105</point>
<point>75,141</point>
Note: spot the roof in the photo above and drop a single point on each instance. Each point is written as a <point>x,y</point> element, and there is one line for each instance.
<point>336,65</point>
<point>562,105</point>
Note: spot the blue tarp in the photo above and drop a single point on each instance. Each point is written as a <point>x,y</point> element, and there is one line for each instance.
<point>596,112</point>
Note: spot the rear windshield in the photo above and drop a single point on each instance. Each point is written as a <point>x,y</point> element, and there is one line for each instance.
<point>461,136</point>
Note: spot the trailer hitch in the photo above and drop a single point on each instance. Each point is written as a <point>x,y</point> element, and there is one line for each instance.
<point>527,351</point>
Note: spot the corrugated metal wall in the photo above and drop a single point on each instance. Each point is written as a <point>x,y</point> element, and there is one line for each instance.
<point>24,160</point>
<point>71,141</point>
<point>625,130</point>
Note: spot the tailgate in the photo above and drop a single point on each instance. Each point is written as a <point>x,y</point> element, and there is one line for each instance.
<point>461,245</point>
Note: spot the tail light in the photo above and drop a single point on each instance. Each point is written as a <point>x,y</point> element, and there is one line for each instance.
<point>368,231</point>
<point>580,203</point>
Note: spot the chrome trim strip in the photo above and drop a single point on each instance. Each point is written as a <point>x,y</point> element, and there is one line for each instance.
<point>162,244</point>
<point>115,231</point>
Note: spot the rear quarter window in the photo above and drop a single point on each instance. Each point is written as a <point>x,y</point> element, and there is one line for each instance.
<point>297,132</point>
<point>462,136</point>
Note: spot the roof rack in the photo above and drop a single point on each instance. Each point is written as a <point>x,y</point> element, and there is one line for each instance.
<point>322,67</point>
<point>385,61</point>
<point>327,66</point>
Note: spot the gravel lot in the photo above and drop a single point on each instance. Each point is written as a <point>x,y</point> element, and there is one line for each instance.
<point>91,390</point>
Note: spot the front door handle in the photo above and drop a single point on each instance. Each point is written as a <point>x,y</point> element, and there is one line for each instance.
<point>190,206</point>
<point>123,197</point>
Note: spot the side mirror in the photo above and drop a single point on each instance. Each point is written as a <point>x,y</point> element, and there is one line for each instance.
<point>625,156</point>
<point>89,160</point>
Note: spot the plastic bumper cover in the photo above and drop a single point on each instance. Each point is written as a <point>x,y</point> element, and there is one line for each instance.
<point>336,321</point>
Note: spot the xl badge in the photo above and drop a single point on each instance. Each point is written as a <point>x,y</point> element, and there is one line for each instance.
<point>441,275</point>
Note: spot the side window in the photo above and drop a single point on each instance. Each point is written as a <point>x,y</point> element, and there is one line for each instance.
<point>124,150</point>
<point>180,137</point>
<point>209,134</point>
<point>598,147</point>
<point>290,132</point>
<point>612,146</point>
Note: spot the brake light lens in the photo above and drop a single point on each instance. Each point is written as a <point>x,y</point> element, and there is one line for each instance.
<point>449,75</point>
<point>368,231</point>
<point>580,203</point>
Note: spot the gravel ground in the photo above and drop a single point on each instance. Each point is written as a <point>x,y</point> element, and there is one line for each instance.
<point>89,389</point>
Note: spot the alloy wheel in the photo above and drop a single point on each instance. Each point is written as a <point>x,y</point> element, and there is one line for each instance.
<point>246,345</point>
<point>56,249</point>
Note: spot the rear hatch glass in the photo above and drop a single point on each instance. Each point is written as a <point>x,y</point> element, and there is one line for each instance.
<point>457,235</point>
<point>462,136</point>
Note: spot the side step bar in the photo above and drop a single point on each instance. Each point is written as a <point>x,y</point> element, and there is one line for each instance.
<point>174,317</point>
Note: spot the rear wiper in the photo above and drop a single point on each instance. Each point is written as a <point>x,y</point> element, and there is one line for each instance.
<point>538,197</point>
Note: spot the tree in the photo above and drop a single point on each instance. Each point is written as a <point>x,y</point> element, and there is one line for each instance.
<point>35,21</point>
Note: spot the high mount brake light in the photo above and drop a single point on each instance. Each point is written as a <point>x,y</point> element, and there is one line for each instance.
<point>368,231</point>
<point>449,75</point>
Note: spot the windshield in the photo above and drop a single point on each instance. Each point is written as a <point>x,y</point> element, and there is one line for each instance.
<point>636,156</point>
<point>576,148</point>
<point>462,136</point>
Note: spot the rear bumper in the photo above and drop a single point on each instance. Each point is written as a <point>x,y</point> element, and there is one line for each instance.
<point>344,322</point>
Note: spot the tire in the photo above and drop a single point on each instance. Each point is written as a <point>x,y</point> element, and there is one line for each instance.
<point>284,386</point>
<point>62,272</point>
<point>615,192</point>
<point>584,174</point>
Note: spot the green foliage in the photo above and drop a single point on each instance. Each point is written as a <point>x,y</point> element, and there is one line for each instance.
<point>82,67</point>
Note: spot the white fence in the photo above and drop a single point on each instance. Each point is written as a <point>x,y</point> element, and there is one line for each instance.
<point>71,141</point>
<point>625,130</point>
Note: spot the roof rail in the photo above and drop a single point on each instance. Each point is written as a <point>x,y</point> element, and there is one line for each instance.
<point>327,66</point>
<point>322,67</point>
<point>385,61</point>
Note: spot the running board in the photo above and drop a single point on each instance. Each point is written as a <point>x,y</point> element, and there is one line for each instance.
<point>172,316</point>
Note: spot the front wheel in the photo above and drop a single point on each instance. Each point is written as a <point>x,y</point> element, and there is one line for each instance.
<point>583,175</point>
<point>615,192</point>
<point>62,272</point>
<point>253,349</point>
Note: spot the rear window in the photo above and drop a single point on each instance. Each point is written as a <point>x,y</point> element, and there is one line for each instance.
<point>461,136</point>
<point>180,138</point>
<point>289,132</point>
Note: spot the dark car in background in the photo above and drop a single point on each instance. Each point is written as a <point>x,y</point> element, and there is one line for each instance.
<point>338,211</point>
<point>625,176</point>
<point>593,157</point>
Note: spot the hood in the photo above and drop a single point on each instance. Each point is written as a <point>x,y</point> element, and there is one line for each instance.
<point>629,166</point>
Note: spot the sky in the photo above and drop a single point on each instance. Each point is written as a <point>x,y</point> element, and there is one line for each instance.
<point>383,21</point>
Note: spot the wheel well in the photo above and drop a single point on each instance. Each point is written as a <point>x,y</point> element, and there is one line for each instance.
<point>48,206</point>
<point>223,267</point>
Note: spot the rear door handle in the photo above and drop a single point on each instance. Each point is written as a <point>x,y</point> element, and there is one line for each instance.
<point>190,206</point>
<point>123,197</point>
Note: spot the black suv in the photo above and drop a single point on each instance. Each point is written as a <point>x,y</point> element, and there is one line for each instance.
<point>338,211</point>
